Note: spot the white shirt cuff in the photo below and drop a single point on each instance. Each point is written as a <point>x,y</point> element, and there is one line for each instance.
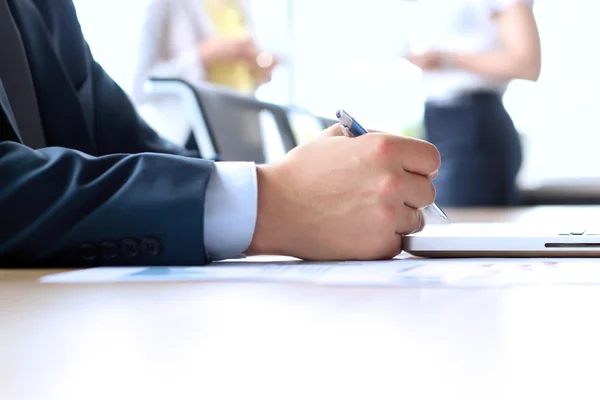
<point>230,209</point>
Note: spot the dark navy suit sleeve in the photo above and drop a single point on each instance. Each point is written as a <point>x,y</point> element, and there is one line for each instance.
<point>108,190</point>
<point>63,207</point>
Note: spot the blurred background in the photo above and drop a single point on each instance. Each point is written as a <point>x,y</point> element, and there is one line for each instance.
<point>347,54</point>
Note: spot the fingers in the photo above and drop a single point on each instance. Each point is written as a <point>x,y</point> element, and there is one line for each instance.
<point>264,60</point>
<point>420,157</point>
<point>421,220</point>
<point>400,153</point>
<point>411,221</point>
<point>409,154</point>
<point>333,130</point>
<point>419,191</point>
<point>394,248</point>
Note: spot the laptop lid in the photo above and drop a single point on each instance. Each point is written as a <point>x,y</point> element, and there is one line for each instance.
<point>503,240</point>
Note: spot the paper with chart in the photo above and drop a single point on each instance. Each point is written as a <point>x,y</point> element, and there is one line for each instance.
<point>398,272</point>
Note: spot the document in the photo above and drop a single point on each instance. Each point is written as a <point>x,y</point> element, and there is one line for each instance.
<point>402,271</point>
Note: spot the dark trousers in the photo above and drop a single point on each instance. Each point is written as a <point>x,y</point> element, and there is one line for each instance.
<point>480,149</point>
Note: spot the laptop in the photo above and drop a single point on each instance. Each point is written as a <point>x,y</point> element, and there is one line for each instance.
<point>502,240</point>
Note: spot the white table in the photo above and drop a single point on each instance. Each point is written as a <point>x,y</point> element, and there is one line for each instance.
<point>292,341</point>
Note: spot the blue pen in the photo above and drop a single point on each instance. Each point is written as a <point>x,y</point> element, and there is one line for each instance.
<point>355,129</point>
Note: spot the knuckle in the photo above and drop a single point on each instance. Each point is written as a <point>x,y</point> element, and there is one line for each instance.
<point>382,146</point>
<point>389,185</point>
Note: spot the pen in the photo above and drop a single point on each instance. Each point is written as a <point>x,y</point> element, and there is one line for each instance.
<point>355,129</point>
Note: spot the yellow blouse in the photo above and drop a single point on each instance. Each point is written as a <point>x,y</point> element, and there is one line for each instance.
<point>227,17</point>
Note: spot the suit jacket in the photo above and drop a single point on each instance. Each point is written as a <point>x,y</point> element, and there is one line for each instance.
<point>107,190</point>
<point>171,31</point>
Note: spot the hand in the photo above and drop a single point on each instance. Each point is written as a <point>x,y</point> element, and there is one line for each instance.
<point>263,67</point>
<point>217,49</point>
<point>340,198</point>
<point>429,60</point>
<point>247,49</point>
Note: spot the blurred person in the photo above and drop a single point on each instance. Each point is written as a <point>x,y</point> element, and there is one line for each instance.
<point>471,50</point>
<point>198,40</point>
<point>84,181</point>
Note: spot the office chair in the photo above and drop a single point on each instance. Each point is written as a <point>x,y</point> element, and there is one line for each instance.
<point>225,123</point>
<point>305,124</point>
<point>187,94</point>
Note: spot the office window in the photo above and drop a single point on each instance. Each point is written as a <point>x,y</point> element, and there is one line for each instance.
<point>346,56</point>
<point>271,27</point>
<point>112,29</point>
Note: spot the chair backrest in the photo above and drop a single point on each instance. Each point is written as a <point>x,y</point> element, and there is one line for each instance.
<point>226,125</point>
<point>189,101</point>
<point>305,125</point>
<point>234,122</point>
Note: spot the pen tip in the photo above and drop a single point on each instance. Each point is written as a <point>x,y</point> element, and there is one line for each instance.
<point>338,113</point>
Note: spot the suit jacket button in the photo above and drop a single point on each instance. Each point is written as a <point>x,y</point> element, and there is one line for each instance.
<point>109,250</point>
<point>88,252</point>
<point>150,247</point>
<point>129,248</point>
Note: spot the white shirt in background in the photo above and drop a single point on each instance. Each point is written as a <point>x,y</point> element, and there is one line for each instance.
<point>459,26</point>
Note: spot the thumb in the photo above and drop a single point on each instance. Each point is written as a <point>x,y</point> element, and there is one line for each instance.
<point>334,130</point>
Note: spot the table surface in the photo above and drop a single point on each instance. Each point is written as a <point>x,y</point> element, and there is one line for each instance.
<point>214,340</point>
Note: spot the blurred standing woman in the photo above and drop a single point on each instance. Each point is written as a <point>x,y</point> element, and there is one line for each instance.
<point>472,50</point>
<point>198,40</point>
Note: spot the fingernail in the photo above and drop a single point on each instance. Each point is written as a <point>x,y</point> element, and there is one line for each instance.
<point>422,219</point>
<point>346,131</point>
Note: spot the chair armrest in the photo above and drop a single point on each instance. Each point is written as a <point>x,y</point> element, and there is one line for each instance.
<point>186,92</point>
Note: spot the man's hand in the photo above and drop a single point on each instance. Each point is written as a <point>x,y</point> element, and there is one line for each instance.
<point>339,198</point>
<point>427,61</point>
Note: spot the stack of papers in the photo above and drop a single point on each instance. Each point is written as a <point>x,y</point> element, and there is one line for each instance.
<point>398,272</point>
